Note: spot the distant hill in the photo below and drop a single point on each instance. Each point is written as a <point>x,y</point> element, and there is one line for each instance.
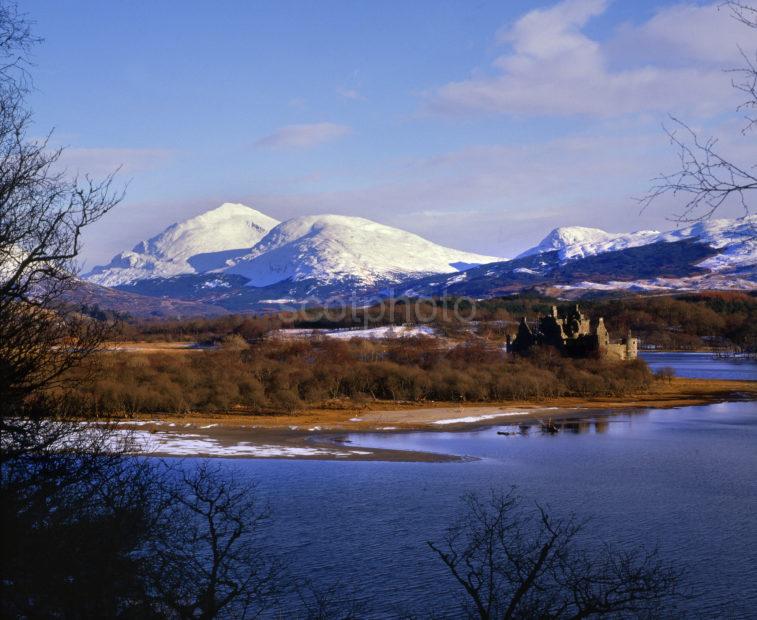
<point>717,254</point>
<point>138,306</point>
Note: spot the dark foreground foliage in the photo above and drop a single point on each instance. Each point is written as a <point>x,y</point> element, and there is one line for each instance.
<point>90,532</point>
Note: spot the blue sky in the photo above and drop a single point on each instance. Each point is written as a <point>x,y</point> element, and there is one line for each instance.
<point>478,124</point>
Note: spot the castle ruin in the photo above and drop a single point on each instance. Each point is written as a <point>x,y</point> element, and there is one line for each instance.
<point>573,334</point>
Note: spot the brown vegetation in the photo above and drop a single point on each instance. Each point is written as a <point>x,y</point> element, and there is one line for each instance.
<point>284,376</point>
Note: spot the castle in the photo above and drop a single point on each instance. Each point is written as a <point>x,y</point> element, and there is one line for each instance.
<point>572,333</point>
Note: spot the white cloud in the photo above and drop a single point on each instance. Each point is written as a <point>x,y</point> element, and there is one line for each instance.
<point>554,68</point>
<point>707,34</point>
<point>303,136</point>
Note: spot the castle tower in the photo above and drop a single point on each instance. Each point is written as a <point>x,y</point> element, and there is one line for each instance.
<point>525,338</point>
<point>603,336</point>
<point>632,347</point>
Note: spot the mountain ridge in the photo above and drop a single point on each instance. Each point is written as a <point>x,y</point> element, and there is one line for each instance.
<point>331,248</point>
<point>317,259</point>
<point>236,239</point>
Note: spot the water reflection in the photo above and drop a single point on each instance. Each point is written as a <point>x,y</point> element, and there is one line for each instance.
<point>596,423</point>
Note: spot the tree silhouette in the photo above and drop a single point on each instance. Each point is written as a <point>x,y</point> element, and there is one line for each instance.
<point>514,564</point>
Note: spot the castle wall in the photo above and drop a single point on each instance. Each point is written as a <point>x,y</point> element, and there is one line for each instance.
<point>614,352</point>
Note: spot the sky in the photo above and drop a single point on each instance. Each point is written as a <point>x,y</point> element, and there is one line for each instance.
<point>478,124</point>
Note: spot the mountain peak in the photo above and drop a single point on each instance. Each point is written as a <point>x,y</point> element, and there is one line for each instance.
<point>233,209</point>
<point>214,236</point>
<point>341,247</point>
<point>581,241</point>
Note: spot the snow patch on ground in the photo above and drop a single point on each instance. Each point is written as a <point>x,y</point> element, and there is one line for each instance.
<point>479,418</point>
<point>371,333</point>
<point>191,444</point>
<point>386,331</point>
<point>716,281</point>
<point>526,270</point>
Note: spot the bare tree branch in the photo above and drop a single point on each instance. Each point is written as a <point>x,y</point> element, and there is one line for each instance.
<point>43,213</point>
<point>706,178</point>
<point>515,564</point>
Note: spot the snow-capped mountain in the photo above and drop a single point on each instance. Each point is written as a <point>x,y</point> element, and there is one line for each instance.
<point>241,260</point>
<point>715,254</point>
<point>237,240</point>
<point>333,248</point>
<point>196,245</point>
<point>579,241</point>
<point>736,237</point>
<point>735,240</point>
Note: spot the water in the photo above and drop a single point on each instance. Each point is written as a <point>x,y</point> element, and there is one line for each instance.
<point>701,365</point>
<point>683,479</point>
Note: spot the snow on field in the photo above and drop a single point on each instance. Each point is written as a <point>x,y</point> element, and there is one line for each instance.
<point>371,333</point>
<point>479,418</point>
<point>192,444</point>
<point>386,331</point>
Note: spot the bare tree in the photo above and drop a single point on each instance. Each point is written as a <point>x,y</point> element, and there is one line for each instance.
<point>208,560</point>
<point>746,76</point>
<point>707,179</point>
<point>514,564</point>
<point>335,602</point>
<point>87,529</point>
<point>43,212</point>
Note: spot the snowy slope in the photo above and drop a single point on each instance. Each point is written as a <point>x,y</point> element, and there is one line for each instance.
<point>196,245</point>
<point>579,242</point>
<point>737,238</point>
<point>334,248</point>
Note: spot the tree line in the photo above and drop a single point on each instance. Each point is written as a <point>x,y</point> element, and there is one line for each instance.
<point>274,376</point>
<point>719,319</point>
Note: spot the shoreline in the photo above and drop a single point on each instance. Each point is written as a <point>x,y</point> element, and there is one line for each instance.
<point>320,434</point>
<point>429,415</point>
